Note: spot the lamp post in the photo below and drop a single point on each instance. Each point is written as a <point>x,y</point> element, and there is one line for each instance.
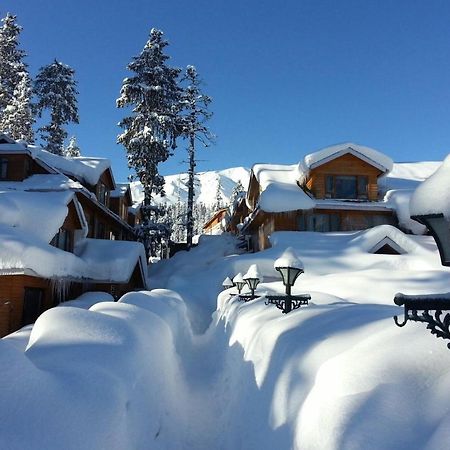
<point>239,282</point>
<point>417,307</point>
<point>227,283</point>
<point>252,278</point>
<point>289,267</point>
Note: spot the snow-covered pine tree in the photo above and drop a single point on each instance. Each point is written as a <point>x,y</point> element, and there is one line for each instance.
<point>219,199</point>
<point>195,112</point>
<point>55,89</point>
<point>72,150</point>
<point>150,131</point>
<point>237,192</point>
<point>16,117</point>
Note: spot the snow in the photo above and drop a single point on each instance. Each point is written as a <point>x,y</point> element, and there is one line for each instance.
<point>373,157</point>
<point>22,210</point>
<point>120,191</point>
<point>336,374</point>
<point>253,272</point>
<point>88,299</point>
<point>84,169</point>
<point>279,189</point>
<point>238,278</point>
<point>112,260</point>
<point>433,195</point>
<point>288,259</point>
<point>227,283</point>
<point>206,186</point>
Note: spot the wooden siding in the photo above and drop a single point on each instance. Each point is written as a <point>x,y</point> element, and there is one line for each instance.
<point>349,220</point>
<point>12,290</point>
<point>215,221</point>
<point>21,166</point>
<point>344,165</point>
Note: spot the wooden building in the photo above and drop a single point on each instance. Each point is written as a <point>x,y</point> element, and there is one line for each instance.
<point>64,230</point>
<point>217,223</point>
<point>335,189</point>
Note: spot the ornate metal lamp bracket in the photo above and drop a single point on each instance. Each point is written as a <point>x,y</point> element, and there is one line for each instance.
<point>417,308</point>
<point>287,303</point>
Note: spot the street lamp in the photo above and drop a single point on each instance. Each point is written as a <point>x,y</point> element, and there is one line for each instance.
<point>417,307</point>
<point>227,283</point>
<point>290,267</point>
<point>239,282</point>
<point>252,278</point>
<point>439,228</point>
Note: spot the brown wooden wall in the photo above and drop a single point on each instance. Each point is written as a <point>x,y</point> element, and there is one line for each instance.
<point>12,289</point>
<point>350,220</point>
<point>344,165</point>
<point>21,166</point>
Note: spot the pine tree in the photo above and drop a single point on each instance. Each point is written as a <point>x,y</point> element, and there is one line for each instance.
<point>195,112</point>
<point>16,118</point>
<point>55,89</point>
<point>72,150</point>
<point>150,132</point>
<point>219,199</point>
<point>237,192</point>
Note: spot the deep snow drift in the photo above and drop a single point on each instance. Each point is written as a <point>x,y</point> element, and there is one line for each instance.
<point>336,374</point>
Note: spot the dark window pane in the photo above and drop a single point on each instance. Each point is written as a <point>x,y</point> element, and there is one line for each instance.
<point>362,187</point>
<point>3,168</point>
<point>329,186</point>
<point>345,187</point>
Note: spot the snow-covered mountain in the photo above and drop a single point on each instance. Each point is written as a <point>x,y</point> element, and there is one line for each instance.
<point>206,186</point>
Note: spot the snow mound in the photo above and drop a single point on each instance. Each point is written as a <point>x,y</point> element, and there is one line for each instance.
<point>433,195</point>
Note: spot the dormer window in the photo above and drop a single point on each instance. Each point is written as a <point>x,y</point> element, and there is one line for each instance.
<point>102,193</point>
<point>346,187</point>
<point>63,240</point>
<point>3,168</point>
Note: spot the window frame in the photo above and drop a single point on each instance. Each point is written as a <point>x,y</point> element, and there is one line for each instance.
<point>361,187</point>
<point>4,163</point>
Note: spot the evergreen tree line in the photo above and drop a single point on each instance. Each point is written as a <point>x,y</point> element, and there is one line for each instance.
<point>22,101</point>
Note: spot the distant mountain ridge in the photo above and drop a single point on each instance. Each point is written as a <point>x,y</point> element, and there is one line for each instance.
<point>206,186</point>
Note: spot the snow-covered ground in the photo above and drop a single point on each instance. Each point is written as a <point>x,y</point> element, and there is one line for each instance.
<point>336,374</point>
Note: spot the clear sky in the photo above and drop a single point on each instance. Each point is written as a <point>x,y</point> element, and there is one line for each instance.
<point>287,77</point>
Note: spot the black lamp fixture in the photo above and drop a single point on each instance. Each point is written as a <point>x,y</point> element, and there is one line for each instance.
<point>434,310</point>
<point>252,278</point>
<point>227,283</point>
<point>439,228</point>
<point>289,267</point>
<point>239,282</point>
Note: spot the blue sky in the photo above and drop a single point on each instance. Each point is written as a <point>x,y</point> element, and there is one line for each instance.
<point>287,78</point>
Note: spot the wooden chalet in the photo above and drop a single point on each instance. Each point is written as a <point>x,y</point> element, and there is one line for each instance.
<point>335,189</point>
<point>215,224</point>
<point>63,231</point>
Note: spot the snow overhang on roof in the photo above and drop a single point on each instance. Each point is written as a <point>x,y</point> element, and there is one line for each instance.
<point>280,190</point>
<point>85,169</point>
<point>367,154</point>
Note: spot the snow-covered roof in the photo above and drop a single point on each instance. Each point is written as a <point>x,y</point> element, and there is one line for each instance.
<point>9,145</point>
<point>112,260</point>
<point>367,154</point>
<point>279,189</point>
<point>120,191</point>
<point>373,239</point>
<point>82,168</point>
<point>37,214</point>
<point>433,195</point>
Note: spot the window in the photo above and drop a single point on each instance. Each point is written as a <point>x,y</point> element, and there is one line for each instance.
<point>322,222</point>
<point>32,305</point>
<point>102,193</point>
<point>346,187</point>
<point>63,240</point>
<point>3,168</point>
